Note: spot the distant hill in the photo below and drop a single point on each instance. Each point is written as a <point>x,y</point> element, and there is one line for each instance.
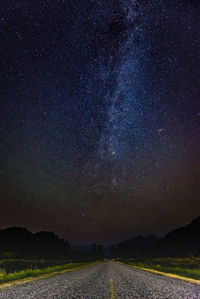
<point>137,246</point>
<point>139,240</point>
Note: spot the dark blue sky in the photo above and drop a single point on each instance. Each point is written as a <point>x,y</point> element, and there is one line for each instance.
<point>100,116</point>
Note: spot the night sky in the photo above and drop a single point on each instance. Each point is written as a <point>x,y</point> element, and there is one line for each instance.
<point>100,116</point>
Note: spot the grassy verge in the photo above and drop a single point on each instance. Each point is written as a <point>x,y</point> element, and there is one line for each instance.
<point>4,278</point>
<point>187,267</point>
<point>17,265</point>
<point>190,273</point>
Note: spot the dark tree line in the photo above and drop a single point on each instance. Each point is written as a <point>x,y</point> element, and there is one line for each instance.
<point>95,253</point>
<point>19,243</point>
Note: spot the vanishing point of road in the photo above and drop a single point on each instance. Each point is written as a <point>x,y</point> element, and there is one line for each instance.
<point>107,280</point>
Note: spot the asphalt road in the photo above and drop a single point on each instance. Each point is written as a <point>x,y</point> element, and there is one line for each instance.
<point>106,280</point>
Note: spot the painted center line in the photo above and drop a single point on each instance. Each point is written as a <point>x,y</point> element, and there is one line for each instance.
<point>112,293</point>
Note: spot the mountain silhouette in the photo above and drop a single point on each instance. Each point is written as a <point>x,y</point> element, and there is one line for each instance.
<point>195,223</point>
<point>183,241</point>
<point>180,242</point>
<point>18,242</point>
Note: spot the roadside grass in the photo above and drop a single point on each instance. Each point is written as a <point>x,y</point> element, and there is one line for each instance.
<point>186,267</point>
<point>16,265</point>
<point>38,272</point>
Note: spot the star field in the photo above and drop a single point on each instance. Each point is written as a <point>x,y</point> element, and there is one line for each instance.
<point>100,116</point>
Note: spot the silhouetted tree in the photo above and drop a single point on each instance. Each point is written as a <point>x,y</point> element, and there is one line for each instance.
<point>94,248</point>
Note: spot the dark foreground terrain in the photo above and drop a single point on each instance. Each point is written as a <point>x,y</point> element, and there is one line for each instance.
<point>104,280</point>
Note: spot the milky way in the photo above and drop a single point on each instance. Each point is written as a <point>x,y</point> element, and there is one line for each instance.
<point>123,113</point>
<point>100,117</point>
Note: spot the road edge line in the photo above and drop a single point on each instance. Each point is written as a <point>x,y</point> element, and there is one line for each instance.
<point>187,279</point>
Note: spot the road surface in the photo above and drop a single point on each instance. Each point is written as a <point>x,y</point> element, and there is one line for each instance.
<point>105,280</point>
